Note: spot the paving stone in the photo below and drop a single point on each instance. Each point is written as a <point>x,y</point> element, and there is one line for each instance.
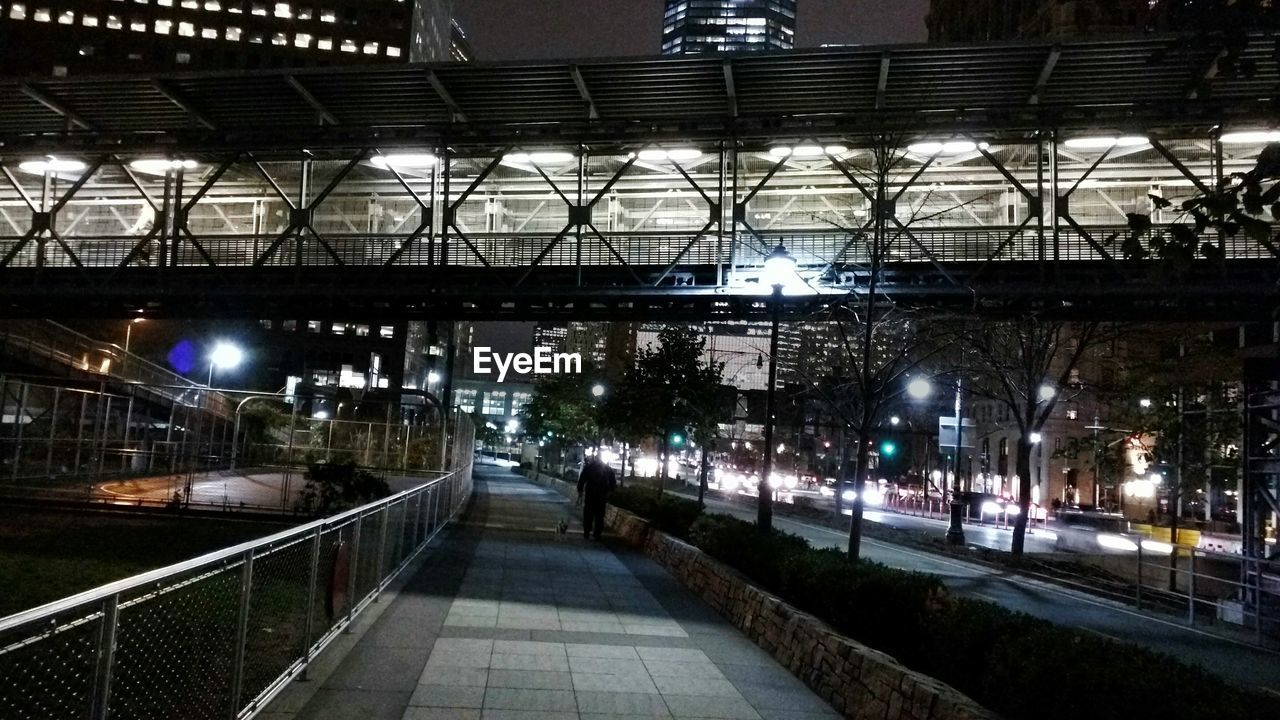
<point>611,703</point>
<point>453,675</point>
<point>522,699</point>
<point>592,650</point>
<point>448,696</point>
<point>504,661</point>
<point>701,706</point>
<point>530,679</point>
<point>603,682</point>
<point>439,713</point>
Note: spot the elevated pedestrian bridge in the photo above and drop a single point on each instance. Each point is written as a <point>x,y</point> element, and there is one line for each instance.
<point>999,178</point>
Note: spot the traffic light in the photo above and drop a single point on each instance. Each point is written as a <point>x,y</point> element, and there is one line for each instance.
<point>677,438</point>
<point>888,448</point>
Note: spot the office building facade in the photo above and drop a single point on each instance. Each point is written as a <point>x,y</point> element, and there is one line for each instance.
<point>719,26</point>
<point>62,37</point>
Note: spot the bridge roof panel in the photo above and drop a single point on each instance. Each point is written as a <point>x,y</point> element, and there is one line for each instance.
<point>395,96</point>
<point>20,114</point>
<point>514,94</point>
<point>1161,75</point>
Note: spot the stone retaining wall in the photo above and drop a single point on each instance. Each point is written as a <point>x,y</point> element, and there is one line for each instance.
<point>859,682</point>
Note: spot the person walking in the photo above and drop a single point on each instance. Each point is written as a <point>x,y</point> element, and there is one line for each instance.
<point>594,485</point>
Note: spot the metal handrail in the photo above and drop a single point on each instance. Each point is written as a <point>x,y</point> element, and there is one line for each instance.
<point>99,593</point>
<point>250,618</point>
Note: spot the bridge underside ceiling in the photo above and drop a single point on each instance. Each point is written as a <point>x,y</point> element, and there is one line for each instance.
<point>990,179</point>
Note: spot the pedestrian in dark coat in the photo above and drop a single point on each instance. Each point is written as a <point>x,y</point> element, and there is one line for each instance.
<point>594,485</point>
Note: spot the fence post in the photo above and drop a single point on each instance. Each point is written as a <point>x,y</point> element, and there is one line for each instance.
<point>1139,585</point>
<point>1191,589</point>
<point>417,520</point>
<point>314,575</point>
<point>106,658</point>
<point>1257,595</point>
<point>380,568</point>
<point>352,568</point>
<point>242,633</point>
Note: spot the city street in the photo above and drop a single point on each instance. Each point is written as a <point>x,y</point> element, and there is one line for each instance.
<point>1240,663</point>
<point>249,488</point>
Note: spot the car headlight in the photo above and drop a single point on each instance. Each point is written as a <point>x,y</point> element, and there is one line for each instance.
<point>990,508</point>
<point>849,495</point>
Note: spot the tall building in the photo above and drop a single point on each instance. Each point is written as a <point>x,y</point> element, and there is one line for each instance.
<point>61,37</point>
<point>703,26</point>
<point>607,347</point>
<point>550,335</point>
<point>1000,20</point>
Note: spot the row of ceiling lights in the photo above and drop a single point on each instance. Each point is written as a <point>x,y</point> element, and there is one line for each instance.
<point>426,160</point>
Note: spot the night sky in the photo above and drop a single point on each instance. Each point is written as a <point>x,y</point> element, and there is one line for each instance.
<point>561,29</point>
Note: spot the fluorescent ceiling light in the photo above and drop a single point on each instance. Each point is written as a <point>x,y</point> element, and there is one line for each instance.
<point>1106,143</point>
<point>806,151</point>
<point>678,154</point>
<point>542,157</point>
<point>1251,137</point>
<point>780,152</point>
<point>954,147</point>
<point>160,166</point>
<point>51,165</point>
<point>404,160</point>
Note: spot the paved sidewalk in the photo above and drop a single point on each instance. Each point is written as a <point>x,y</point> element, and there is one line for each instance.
<point>512,621</point>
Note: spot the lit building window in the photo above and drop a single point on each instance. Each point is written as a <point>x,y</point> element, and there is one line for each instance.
<point>67,18</point>
<point>209,33</point>
<point>495,403</point>
<point>213,6</point>
<point>164,27</point>
<point>17,11</point>
<point>339,328</point>
<point>283,10</point>
<point>259,9</point>
<point>89,20</point>
<point>279,39</point>
<point>302,40</point>
<point>138,25</point>
<point>371,48</point>
<point>114,23</point>
<point>387,331</point>
<point>348,46</point>
<point>393,51</point>
<point>325,43</point>
<point>186,29</point>
<point>42,15</point>
<point>328,16</point>
<point>362,331</point>
<point>313,326</point>
<point>233,34</point>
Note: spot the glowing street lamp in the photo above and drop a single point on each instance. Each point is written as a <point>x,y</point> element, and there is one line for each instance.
<point>919,388</point>
<point>597,390</point>
<point>225,356</point>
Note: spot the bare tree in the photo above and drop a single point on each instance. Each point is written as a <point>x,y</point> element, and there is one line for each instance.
<point>880,343</point>
<point>1026,365</point>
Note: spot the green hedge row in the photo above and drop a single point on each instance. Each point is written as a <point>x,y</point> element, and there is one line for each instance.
<point>1012,663</point>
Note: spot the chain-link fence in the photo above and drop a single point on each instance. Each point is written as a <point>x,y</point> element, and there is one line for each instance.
<point>220,635</point>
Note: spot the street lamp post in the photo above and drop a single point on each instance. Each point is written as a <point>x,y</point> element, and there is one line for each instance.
<point>955,530</point>
<point>778,267</point>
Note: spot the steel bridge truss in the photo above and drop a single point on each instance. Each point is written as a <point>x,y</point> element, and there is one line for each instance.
<point>980,219</point>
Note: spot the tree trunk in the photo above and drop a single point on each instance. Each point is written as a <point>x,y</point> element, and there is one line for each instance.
<point>662,461</point>
<point>626,447</point>
<point>843,453</point>
<point>1024,496</point>
<point>702,476</point>
<point>855,520</point>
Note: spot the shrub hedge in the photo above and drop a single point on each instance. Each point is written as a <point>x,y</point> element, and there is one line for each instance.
<point>1012,663</point>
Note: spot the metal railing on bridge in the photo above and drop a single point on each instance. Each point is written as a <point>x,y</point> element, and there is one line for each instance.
<point>44,341</point>
<point>220,635</point>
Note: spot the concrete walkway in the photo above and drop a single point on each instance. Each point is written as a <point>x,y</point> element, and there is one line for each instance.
<point>512,621</point>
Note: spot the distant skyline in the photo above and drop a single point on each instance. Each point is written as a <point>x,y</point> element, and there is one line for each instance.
<point>559,29</point>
